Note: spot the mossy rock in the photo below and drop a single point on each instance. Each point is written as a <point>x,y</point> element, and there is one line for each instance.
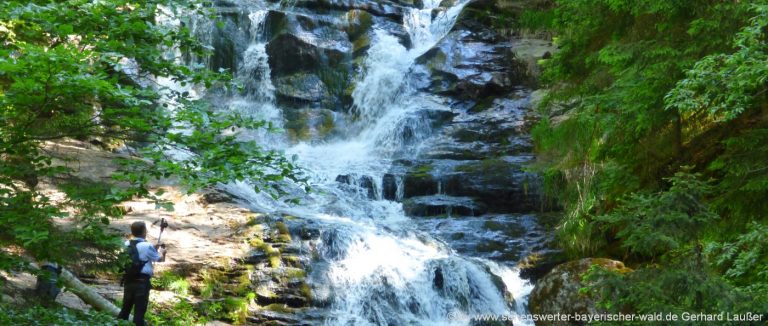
<point>487,167</point>
<point>279,307</point>
<point>361,45</point>
<point>294,273</point>
<point>513,230</point>
<point>302,87</point>
<point>482,105</point>
<point>419,181</point>
<point>458,236</point>
<point>303,124</point>
<point>559,292</point>
<point>491,246</point>
<point>359,22</point>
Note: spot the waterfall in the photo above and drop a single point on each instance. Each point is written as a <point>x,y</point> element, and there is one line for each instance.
<point>257,99</point>
<point>374,266</point>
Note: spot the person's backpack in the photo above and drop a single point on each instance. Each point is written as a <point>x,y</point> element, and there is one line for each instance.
<point>47,281</point>
<point>134,267</point>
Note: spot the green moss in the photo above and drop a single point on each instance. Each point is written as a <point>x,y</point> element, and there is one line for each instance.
<point>437,61</point>
<point>266,292</point>
<point>282,228</point>
<point>482,105</point>
<point>327,125</point>
<point>359,22</point>
<point>274,261</point>
<point>297,124</point>
<point>212,282</point>
<point>336,79</point>
<point>294,273</point>
<point>256,242</point>
<point>423,170</point>
<point>306,291</point>
<point>253,219</point>
<point>292,261</point>
<point>490,167</point>
<point>236,309</point>
<point>494,225</point>
<point>284,238</point>
<point>360,45</point>
<point>289,217</point>
<point>243,283</point>
<point>278,307</point>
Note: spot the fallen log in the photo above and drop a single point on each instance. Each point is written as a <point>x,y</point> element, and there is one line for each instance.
<point>87,294</point>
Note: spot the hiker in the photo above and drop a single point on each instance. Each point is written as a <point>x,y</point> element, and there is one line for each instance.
<point>138,273</point>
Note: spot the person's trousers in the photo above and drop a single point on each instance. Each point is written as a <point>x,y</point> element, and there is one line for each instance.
<point>136,298</point>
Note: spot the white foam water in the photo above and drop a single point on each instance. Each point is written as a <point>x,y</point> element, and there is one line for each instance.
<point>376,267</point>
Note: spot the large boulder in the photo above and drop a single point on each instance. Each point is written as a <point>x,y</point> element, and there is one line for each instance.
<point>229,38</point>
<point>301,88</point>
<point>559,292</point>
<point>290,53</point>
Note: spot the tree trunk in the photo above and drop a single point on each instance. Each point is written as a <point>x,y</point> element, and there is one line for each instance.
<point>87,294</point>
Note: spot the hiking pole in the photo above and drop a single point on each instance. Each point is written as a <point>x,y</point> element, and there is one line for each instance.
<point>163,225</point>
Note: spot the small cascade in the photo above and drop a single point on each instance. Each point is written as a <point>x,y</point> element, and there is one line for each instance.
<point>400,193</point>
<point>257,99</point>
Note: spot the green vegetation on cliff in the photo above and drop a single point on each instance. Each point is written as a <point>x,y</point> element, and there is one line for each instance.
<point>655,140</point>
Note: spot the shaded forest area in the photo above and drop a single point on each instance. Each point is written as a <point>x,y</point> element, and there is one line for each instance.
<point>655,142</point>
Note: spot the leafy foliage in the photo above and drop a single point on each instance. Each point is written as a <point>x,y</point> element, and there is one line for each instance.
<point>90,70</point>
<point>172,282</point>
<point>654,224</point>
<point>648,98</point>
<point>38,315</point>
<point>668,228</point>
<point>743,261</point>
<point>726,85</point>
<point>677,287</point>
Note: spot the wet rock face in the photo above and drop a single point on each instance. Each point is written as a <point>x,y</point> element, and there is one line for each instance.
<point>481,153</point>
<point>443,206</point>
<point>462,65</point>
<point>391,9</point>
<point>500,184</point>
<point>363,183</point>
<point>291,51</point>
<point>501,237</point>
<point>301,88</point>
<point>559,291</point>
<point>389,187</point>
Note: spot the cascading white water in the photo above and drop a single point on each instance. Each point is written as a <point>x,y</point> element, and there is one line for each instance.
<point>257,99</point>
<point>388,108</point>
<point>378,269</point>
